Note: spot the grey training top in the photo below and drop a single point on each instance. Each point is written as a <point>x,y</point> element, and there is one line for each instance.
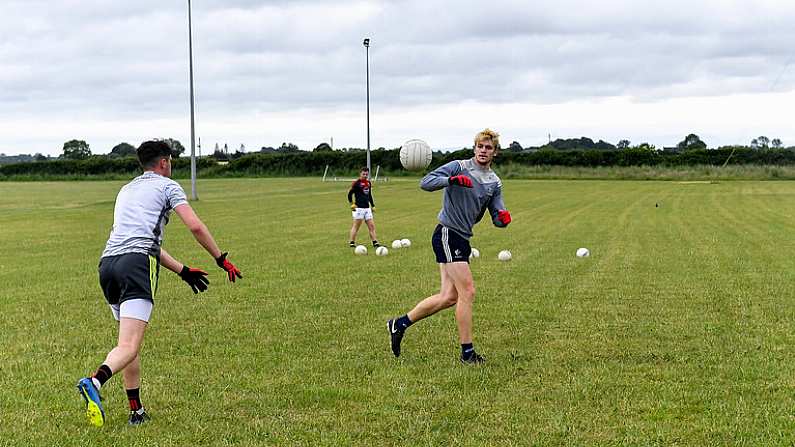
<point>463,207</point>
<point>141,214</point>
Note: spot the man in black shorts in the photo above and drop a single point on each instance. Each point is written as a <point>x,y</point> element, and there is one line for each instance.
<point>129,269</point>
<point>471,189</point>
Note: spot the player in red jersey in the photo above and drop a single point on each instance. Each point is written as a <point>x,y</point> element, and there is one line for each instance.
<point>360,196</point>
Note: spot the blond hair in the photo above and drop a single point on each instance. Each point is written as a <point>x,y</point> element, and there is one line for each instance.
<point>488,134</point>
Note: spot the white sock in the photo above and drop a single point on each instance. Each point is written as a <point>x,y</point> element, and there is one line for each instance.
<point>96,382</point>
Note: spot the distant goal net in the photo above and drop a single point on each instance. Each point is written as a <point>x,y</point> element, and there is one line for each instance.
<point>330,176</point>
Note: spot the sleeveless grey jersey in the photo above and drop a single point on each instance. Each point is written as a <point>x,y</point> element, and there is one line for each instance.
<point>463,207</point>
<point>141,214</point>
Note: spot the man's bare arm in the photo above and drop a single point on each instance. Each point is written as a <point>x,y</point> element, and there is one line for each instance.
<point>199,230</point>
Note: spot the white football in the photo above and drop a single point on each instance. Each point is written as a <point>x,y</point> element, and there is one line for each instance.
<point>396,244</point>
<point>475,254</point>
<point>415,154</point>
<point>583,253</point>
<point>405,243</point>
<point>381,251</point>
<point>360,250</point>
<point>504,255</point>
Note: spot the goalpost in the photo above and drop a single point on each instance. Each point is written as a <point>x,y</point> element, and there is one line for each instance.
<point>328,176</point>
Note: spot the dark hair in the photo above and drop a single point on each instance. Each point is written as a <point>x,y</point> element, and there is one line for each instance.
<point>151,151</point>
<point>364,169</point>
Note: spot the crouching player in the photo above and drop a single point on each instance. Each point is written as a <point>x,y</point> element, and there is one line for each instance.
<point>470,188</point>
<point>129,268</point>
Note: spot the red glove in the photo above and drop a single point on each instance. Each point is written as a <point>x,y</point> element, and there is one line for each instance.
<point>230,268</point>
<point>461,180</point>
<point>504,217</point>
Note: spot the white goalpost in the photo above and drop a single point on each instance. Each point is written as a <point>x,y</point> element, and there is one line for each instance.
<point>328,176</point>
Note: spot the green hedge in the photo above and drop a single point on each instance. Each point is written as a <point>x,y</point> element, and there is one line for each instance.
<point>344,163</point>
<point>311,163</point>
<point>640,157</point>
<point>94,166</point>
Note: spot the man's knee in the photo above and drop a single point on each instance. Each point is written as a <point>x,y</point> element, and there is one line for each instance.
<point>467,292</point>
<point>450,298</point>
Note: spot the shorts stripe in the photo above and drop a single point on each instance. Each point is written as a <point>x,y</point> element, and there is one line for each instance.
<point>446,244</point>
<point>153,275</point>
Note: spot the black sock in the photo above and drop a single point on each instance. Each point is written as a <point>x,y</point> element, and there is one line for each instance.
<point>467,349</point>
<point>103,374</point>
<point>134,397</point>
<point>403,322</point>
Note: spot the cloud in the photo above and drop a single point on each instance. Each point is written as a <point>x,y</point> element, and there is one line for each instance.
<point>98,61</point>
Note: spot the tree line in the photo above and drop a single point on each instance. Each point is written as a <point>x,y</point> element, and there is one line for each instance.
<point>289,160</point>
<point>344,163</point>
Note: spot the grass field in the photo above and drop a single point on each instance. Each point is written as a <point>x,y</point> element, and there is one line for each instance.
<point>678,330</point>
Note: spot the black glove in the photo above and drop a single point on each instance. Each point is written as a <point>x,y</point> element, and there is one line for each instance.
<point>230,268</point>
<point>195,278</point>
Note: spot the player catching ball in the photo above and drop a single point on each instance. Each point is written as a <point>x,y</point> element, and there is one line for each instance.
<point>129,269</point>
<point>470,188</point>
<point>360,196</point>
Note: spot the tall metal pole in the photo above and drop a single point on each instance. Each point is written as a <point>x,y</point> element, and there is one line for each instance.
<point>194,193</point>
<point>367,52</point>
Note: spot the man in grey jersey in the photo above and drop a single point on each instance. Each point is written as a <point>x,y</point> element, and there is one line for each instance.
<point>130,265</point>
<point>470,189</point>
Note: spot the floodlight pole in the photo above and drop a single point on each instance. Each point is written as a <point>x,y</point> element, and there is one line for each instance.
<point>367,52</point>
<point>193,192</point>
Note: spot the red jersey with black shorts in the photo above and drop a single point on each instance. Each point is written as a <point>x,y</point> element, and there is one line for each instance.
<point>361,193</point>
<point>360,189</point>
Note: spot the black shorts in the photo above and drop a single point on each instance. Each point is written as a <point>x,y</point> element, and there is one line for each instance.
<point>129,276</point>
<point>450,246</point>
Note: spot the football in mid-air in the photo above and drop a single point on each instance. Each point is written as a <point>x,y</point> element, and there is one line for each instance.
<point>405,243</point>
<point>415,155</point>
<point>504,255</point>
<point>360,250</point>
<point>475,254</point>
<point>396,244</point>
<point>381,251</point>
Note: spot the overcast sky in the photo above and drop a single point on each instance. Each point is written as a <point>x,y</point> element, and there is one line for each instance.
<point>268,72</point>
